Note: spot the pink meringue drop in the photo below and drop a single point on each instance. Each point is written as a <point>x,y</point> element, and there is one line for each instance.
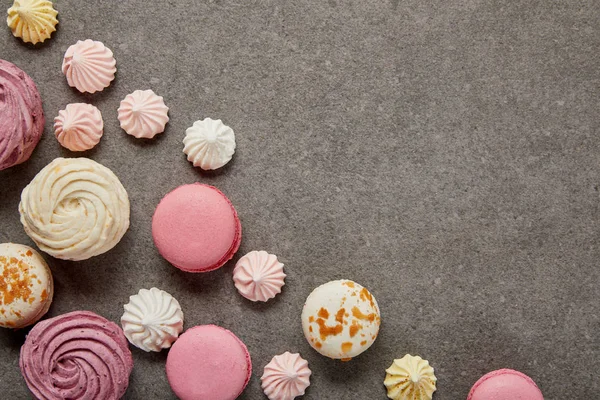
<point>143,114</point>
<point>89,66</point>
<point>79,126</point>
<point>259,276</point>
<point>286,377</point>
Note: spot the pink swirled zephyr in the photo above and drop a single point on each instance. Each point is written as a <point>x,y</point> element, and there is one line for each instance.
<point>79,355</point>
<point>89,66</point>
<point>21,115</point>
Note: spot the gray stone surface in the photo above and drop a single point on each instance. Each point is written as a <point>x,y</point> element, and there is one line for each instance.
<point>443,154</point>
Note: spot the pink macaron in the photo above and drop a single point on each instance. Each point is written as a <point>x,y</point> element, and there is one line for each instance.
<point>208,362</point>
<point>505,384</point>
<point>196,228</point>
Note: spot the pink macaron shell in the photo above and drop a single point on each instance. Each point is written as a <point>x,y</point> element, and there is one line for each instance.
<point>505,384</point>
<point>196,228</point>
<point>208,362</point>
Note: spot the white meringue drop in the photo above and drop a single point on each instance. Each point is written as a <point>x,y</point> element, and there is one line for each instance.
<point>209,144</point>
<point>152,320</point>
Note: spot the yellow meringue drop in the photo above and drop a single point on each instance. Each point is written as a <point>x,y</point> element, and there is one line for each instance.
<point>32,20</point>
<point>410,378</point>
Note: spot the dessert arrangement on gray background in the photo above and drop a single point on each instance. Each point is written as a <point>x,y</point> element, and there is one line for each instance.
<point>446,156</point>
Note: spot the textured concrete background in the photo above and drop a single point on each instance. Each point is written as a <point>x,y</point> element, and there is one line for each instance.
<point>444,154</point>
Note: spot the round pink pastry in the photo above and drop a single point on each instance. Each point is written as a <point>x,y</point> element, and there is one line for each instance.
<point>208,362</point>
<point>79,355</point>
<point>505,384</point>
<point>196,228</point>
<point>79,126</point>
<point>21,115</point>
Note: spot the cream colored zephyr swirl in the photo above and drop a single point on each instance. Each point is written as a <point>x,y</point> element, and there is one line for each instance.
<point>209,144</point>
<point>143,114</point>
<point>152,320</point>
<point>79,126</point>
<point>259,276</point>
<point>89,66</point>
<point>410,378</point>
<point>74,209</point>
<point>32,20</point>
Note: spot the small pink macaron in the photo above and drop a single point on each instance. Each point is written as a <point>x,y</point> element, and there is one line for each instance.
<point>208,362</point>
<point>196,228</point>
<point>505,384</point>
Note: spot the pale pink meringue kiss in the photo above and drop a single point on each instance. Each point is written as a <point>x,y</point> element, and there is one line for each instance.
<point>259,276</point>
<point>286,377</point>
<point>143,114</point>
<point>79,126</point>
<point>89,66</point>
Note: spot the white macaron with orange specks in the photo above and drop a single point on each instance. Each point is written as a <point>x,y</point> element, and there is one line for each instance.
<point>341,319</point>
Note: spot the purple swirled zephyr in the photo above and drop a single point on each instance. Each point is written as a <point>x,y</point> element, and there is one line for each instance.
<point>21,115</point>
<point>78,355</point>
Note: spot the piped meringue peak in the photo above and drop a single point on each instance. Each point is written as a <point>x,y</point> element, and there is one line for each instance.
<point>259,276</point>
<point>209,144</point>
<point>143,114</point>
<point>152,320</point>
<point>286,377</point>
<point>410,378</point>
<point>32,20</point>
<point>79,126</point>
<point>89,66</point>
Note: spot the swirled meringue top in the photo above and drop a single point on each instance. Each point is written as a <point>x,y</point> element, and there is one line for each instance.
<point>74,209</point>
<point>89,66</point>
<point>26,286</point>
<point>21,115</point>
<point>32,20</point>
<point>79,355</point>
<point>209,144</point>
<point>143,114</point>
<point>410,378</point>
<point>259,276</point>
<point>152,320</point>
<point>79,126</point>
<point>286,377</point>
